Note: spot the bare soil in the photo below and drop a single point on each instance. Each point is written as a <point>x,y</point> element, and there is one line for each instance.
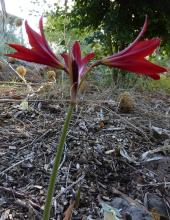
<point>103,155</point>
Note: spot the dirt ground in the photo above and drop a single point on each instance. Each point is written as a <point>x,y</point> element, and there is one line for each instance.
<point>115,158</point>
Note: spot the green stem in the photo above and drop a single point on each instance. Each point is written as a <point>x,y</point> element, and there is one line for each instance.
<point>59,152</point>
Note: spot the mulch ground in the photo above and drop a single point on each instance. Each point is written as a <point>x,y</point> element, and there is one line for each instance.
<point>106,154</point>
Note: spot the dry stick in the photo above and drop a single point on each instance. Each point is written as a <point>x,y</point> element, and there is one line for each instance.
<point>142,172</point>
<point>28,202</point>
<point>17,194</point>
<point>20,83</point>
<point>21,195</point>
<point>14,165</point>
<point>68,171</point>
<point>61,100</point>
<point>10,100</point>
<point>127,122</point>
<point>166,184</point>
<point>31,207</point>
<point>23,79</point>
<point>64,158</point>
<point>70,186</point>
<point>36,139</point>
<point>167,206</point>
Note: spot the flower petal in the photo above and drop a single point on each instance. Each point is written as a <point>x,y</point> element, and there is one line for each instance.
<point>87,58</point>
<point>83,69</point>
<point>77,52</point>
<point>133,44</point>
<point>141,49</point>
<point>141,66</point>
<point>44,39</point>
<point>38,43</point>
<point>75,80</point>
<point>31,55</point>
<point>40,51</point>
<point>75,72</point>
<point>34,38</point>
<point>66,59</point>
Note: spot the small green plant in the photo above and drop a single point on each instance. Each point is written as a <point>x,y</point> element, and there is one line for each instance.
<point>163,84</point>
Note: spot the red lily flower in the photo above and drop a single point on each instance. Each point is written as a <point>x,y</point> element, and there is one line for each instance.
<point>75,54</point>
<point>76,66</point>
<point>40,51</point>
<point>133,58</point>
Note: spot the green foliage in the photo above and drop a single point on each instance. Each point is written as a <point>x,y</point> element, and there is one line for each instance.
<point>60,32</point>
<point>56,28</point>
<point>121,20</point>
<point>162,85</point>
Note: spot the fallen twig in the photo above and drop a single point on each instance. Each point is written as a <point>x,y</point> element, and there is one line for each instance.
<point>127,122</point>
<point>70,186</point>
<point>14,165</point>
<point>166,184</point>
<point>21,195</point>
<point>22,78</point>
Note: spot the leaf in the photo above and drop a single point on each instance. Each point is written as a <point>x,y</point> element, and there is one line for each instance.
<point>160,132</point>
<point>124,154</point>
<point>68,212</point>
<point>24,105</point>
<point>110,213</point>
<point>156,154</point>
<point>155,214</point>
<point>77,201</point>
<point>5,214</point>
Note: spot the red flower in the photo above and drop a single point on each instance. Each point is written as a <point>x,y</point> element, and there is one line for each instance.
<point>40,51</point>
<point>76,66</point>
<point>133,58</point>
<point>75,54</point>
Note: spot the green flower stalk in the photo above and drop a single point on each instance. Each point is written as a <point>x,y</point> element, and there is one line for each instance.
<point>59,152</point>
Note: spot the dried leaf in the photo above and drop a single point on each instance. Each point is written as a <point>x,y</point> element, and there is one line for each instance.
<point>155,214</point>
<point>109,151</point>
<point>160,132</point>
<point>5,214</point>
<point>24,105</point>
<point>110,213</point>
<point>124,154</point>
<point>156,154</point>
<point>101,124</point>
<point>68,212</point>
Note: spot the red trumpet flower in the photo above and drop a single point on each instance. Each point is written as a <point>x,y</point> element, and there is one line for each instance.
<point>133,58</point>
<point>39,52</point>
<point>76,66</point>
<point>75,54</point>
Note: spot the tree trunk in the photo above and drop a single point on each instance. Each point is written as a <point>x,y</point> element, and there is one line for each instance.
<point>111,51</point>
